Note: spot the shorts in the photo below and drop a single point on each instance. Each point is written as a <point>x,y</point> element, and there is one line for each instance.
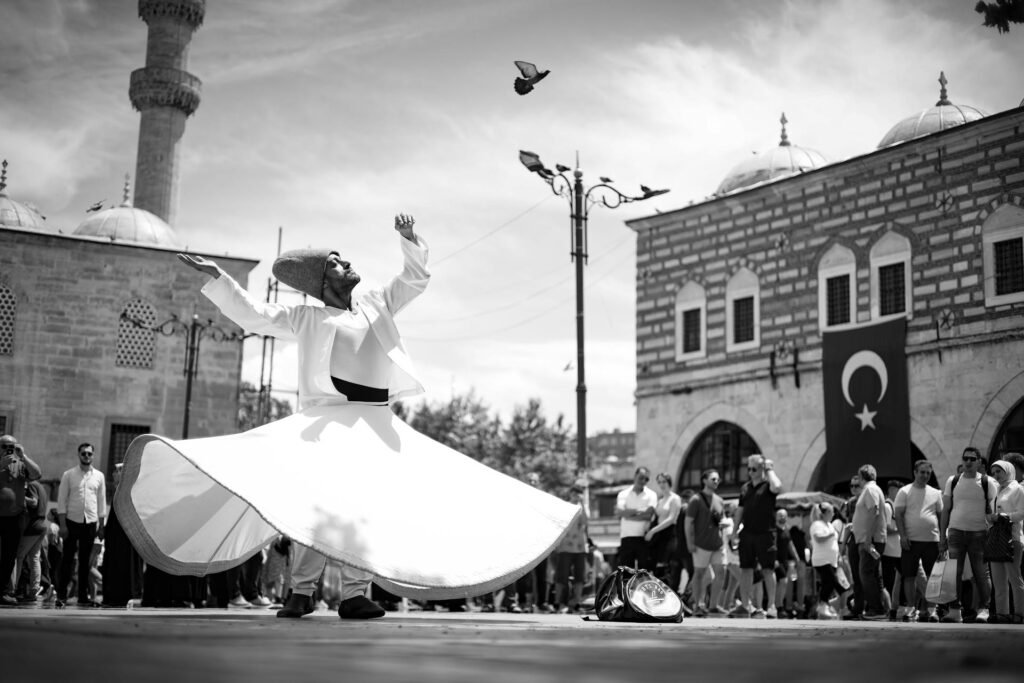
<point>758,549</point>
<point>702,559</point>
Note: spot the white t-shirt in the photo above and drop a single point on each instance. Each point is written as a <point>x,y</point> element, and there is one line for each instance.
<point>628,499</point>
<point>967,512</point>
<point>825,551</point>
<point>920,508</point>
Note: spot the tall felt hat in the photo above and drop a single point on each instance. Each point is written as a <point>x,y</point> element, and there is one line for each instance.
<point>303,269</point>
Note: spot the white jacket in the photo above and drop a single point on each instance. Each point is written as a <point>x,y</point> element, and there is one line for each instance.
<point>314,327</point>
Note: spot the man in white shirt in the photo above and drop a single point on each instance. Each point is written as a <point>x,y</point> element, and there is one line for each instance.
<point>963,525</point>
<point>81,510</point>
<point>634,507</point>
<point>917,508</point>
<point>869,532</point>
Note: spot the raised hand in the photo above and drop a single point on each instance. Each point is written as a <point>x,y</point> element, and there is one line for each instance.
<point>404,224</point>
<point>205,266</point>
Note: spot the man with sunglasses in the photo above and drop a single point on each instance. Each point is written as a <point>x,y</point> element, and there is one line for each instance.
<point>967,500</point>
<point>755,529</point>
<point>16,470</point>
<point>81,511</point>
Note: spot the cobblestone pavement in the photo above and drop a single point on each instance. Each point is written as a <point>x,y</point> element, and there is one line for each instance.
<point>423,647</point>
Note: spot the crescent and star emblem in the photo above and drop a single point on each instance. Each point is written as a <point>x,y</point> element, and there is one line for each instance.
<point>865,359</point>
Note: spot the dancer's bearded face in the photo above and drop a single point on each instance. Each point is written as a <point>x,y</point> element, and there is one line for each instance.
<point>339,276</point>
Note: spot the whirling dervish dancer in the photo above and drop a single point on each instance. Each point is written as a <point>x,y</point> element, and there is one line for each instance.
<point>343,477</point>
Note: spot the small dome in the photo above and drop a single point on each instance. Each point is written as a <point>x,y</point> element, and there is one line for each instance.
<point>943,115</point>
<point>785,160</point>
<point>15,214</point>
<point>125,223</point>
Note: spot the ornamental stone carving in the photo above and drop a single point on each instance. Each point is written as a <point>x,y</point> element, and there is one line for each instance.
<point>188,11</point>
<point>157,86</point>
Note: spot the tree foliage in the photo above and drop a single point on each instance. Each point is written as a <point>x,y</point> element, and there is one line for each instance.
<point>248,408</point>
<point>528,444</point>
<point>1001,13</point>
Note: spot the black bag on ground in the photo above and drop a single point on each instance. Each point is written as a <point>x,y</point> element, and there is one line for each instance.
<point>636,595</point>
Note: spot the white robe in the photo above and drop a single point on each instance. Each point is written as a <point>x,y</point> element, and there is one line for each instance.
<point>350,481</point>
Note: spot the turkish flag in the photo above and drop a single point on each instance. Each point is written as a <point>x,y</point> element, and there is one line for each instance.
<point>867,405</point>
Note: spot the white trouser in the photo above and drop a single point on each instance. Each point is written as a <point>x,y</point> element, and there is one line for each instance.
<point>308,565</point>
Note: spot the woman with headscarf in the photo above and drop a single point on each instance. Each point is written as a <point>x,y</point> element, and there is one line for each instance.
<point>1006,576</point>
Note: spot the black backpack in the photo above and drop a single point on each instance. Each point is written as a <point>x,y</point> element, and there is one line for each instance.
<point>636,595</point>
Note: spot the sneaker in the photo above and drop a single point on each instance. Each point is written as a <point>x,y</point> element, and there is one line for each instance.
<point>757,614</point>
<point>953,616</point>
<point>261,601</point>
<point>717,611</point>
<point>981,617</point>
<point>8,599</point>
<point>739,612</point>
<point>930,616</point>
<point>910,614</point>
<point>772,613</point>
<point>700,611</point>
<point>825,612</point>
<point>239,601</point>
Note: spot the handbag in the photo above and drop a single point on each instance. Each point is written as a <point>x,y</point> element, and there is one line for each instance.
<point>941,587</point>
<point>636,595</point>
<point>998,543</point>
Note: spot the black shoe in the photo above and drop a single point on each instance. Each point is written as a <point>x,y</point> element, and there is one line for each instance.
<point>359,607</point>
<point>296,606</point>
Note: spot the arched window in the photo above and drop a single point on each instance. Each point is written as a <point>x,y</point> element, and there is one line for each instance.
<point>135,336</point>
<point>1010,437</point>
<point>742,312</point>
<point>837,288</point>
<point>8,309</point>
<point>891,289</point>
<point>691,322</point>
<point>723,446</point>
<point>1003,244</point>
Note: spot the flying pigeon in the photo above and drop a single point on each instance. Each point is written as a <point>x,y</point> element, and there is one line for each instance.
<point>530,77</point>
<point>604,179</point>
<point>96,207</point>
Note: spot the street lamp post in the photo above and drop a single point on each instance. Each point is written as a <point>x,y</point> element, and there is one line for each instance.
<point>581,200</point>
<point>193,331</point>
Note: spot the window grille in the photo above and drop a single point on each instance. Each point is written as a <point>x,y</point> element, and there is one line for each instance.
<point>691,330</point>
<point>892,292</point>
<point>743,320</point>
<point>838,292</point>
<point>136,339</point>
<point>8,309</point>
<point>121,435</point>
<point>1009,260</point>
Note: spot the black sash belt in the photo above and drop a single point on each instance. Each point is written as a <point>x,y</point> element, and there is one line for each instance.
<point>360,393</point>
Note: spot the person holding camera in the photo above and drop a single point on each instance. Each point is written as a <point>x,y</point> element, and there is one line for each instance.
<point>755,528</point>
<point>16,470</point>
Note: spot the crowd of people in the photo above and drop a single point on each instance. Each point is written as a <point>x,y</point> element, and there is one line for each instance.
<point>869,558</point>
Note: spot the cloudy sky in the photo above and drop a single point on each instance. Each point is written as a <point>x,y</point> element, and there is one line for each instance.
<point>327,117</point>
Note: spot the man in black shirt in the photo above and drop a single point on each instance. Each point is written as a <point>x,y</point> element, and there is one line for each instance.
<point>755,527</point>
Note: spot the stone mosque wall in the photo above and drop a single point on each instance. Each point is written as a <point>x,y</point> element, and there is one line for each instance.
<point>75,372</point>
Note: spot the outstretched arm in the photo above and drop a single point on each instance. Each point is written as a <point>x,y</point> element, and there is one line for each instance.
<point>237,304</point>
<point>413,279</point>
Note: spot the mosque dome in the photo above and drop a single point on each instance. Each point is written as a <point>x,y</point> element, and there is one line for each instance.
<point>785,160</point>
<point>943,115</point>
<point>125,223</point>
<point>15,214</point>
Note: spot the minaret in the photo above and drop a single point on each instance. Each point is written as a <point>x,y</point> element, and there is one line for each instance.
<point>165,94</point>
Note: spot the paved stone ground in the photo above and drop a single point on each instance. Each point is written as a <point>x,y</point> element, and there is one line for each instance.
<point>85,645</point>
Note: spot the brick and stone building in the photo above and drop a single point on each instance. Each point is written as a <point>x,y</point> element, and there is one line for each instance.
<point>733,294</point>
<point>84,311</point>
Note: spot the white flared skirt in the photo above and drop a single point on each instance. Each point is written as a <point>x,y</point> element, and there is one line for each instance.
<point>353,482</point>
